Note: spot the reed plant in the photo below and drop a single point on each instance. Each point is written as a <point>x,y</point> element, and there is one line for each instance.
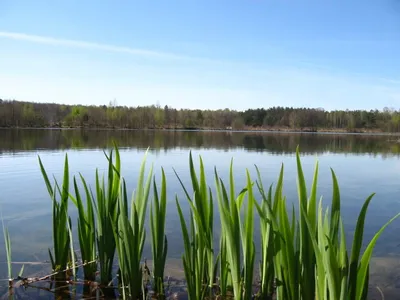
<point>334,275</point>
<point>106,206</point>
<point>7,244</point>
<point>129,233</point>
<point>339,277</point>
<point>199,260</point>
<point>61,254</point>
<point>304,254</point>
<point>86,230</point>
<point>281,246</point>
<point>225,278</point>
<point>159,245</point>
<point>238,233</point>
<point>269,243</point>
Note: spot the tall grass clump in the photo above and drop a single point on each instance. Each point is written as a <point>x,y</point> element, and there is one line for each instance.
<point>129,232</point>
<point>238,234</point>
<point>303,251</point>
<point>312,244</point>
<point>159,242</point>
<point>337,275</point>
<point>61,254</point>
<point>198,258</point>
<point>269,239</point>
<point>106,204</point>
<point>86,230</point>
<point>281,259</point>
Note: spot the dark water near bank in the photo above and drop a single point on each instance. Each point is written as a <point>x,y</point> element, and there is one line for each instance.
<point>363,164</point>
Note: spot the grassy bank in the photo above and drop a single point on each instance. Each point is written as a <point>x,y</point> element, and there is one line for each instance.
<point>303,255</point>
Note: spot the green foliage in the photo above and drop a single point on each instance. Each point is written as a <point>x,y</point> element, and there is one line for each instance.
<point>7,244</point>
<point>158,210</point>
<point>77,117</point>
<point>106,204</point>
<point>238,123</point>
<point>86,230</point>
<point>28,115</point>
<point>238,234</point>
<point>269,241</point>
<point>130,235</point>
<point>15,113</point>
<point>159,117</point>
<point>61,255</point>
<point>198,257</point>
<point>303,256</point>
<point>309,253</point>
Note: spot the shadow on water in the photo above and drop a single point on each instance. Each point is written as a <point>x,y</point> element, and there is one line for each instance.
<point>384,284</point>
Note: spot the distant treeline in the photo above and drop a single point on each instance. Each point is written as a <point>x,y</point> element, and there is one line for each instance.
<point>27,114</point>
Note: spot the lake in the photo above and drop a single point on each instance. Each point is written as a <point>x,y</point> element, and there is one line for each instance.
<point>364,164</point>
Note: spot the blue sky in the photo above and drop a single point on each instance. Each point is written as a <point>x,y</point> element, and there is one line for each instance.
<point>333,54</point>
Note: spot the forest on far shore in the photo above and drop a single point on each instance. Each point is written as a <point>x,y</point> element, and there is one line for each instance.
<point>42,115</point>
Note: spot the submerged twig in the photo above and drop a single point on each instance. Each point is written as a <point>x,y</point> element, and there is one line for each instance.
<point>380,292</point>
<point>35,279</point>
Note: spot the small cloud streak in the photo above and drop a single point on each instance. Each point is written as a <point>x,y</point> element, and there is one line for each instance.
<point>89,45</point>
<point>298,66</point>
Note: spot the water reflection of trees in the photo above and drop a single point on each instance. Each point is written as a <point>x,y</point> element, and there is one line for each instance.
<point>275,143</point>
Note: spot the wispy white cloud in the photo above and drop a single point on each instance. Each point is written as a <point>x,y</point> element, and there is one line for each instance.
<point>46,40</point>
<point>305,67</point>
<point>250,83</point>
<point>90,45</point>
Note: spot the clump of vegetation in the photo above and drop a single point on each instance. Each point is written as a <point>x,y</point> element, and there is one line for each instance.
<point>159,241</point>
<point>198,258</point>
<point>86,230</point>
<point>309,257</point>
<point>238,235</point>
<point>105,201</point>
<point>130,236</point>
<point>304,255</point>
<point>61,255</point>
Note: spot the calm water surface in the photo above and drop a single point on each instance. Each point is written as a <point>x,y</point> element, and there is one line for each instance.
<point>363,164</point>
